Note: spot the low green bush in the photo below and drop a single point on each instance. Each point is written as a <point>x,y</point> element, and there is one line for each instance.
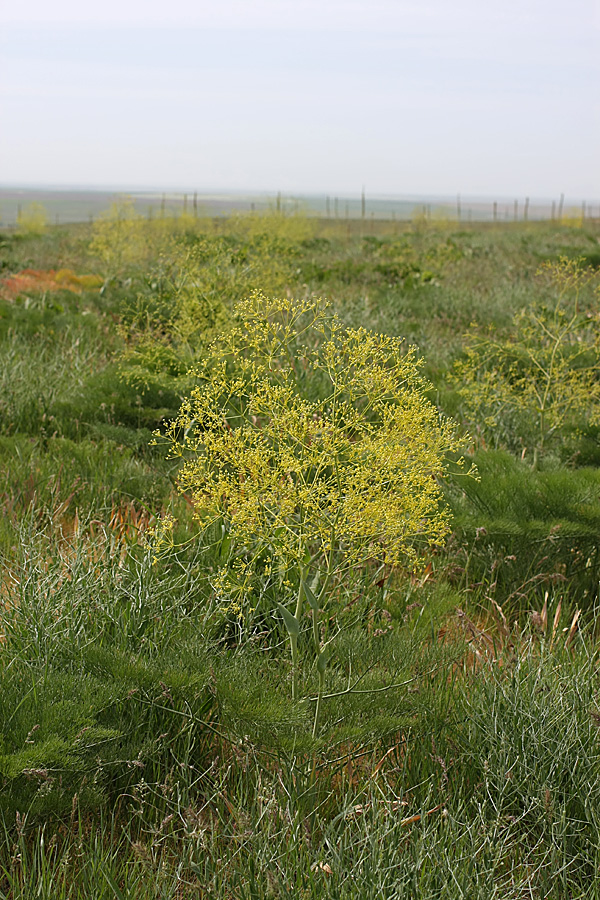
<point>522,530</point>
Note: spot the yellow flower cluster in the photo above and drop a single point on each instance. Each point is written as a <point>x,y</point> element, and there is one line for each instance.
<point>313,442</point>
<point>160,536</point>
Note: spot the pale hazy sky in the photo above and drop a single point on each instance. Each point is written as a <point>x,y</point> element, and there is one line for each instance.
<point>482,97</point>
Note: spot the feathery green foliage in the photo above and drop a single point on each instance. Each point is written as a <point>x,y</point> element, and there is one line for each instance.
<point>544,374</point>
<point>522,530</point>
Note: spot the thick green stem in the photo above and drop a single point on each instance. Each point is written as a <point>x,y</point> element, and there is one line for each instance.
<point>294,648</point>
<point>294,638</point>
<point>319,699</point>
<point>300,593</point>
<point>316,636</point>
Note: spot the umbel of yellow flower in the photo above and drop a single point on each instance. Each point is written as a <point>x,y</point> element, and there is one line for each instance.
<point>350,475</point>
<point>315,445</point>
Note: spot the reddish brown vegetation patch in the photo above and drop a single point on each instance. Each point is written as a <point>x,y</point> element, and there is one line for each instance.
<point>37,281</point>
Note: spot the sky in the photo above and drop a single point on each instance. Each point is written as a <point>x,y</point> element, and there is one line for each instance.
<point>494,98</point>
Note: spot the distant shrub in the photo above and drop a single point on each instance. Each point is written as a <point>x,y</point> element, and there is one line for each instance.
<point>544,375</point>
<point>187,299</point>
<point>120,237</point>
<point>523,530</point>
<point>32,220</point>
<point>272,224</point>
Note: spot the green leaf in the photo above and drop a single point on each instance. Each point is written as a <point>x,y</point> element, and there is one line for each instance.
<point>291,622</point>
<point>312,600</point>
<point>118,893</point>
<point>225,547</point>
<point>322,661</point>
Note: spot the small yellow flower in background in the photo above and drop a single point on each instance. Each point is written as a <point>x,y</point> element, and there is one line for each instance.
<point>160,536</point>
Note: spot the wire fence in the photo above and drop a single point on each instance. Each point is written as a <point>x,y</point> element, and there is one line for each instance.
<point>71,206</point>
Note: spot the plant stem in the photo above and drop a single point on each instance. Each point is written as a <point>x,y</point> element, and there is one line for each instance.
<point>294,649</point>
<point>300,592</point>
<point>318,707</point>
<point>316,636</point>
<point>294,638</point>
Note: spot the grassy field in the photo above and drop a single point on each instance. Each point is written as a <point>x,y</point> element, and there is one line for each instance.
<point>149,745</point>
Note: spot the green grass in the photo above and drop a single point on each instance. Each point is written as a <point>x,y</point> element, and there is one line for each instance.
<point>523,530</point>
<point>148,746</point>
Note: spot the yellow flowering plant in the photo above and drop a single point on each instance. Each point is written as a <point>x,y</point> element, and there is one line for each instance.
<point>545,373</point>
<point>316,447</point>
<point>33,220</point>
<point>120,238</point>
